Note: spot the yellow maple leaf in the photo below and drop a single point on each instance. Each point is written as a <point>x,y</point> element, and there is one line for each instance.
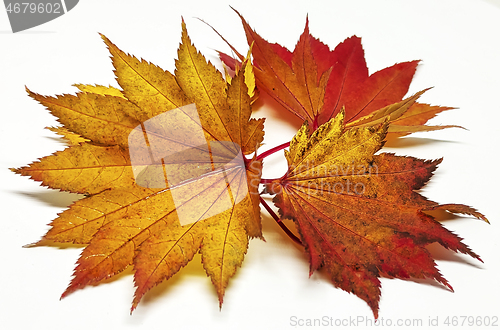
<point>164,165</point>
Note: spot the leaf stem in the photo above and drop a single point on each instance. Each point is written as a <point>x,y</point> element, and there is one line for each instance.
<point>267,180</point>
<point>315,123</point>
<point>273,150</point>
<point>279,222</point>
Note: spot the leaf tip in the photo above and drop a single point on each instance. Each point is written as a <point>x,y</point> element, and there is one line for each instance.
<point>64,294</point>
<point>460,209</point>
<point>134,306</point>
<point>30,245</point>
<point>103,37</point>
<point>108,42</point>
<point>237,12</point>
<point>30,93</point>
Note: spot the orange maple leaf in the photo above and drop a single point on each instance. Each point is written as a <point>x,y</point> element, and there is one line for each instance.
<point>143,208</point>
<point>315,83</point>
<point>358,214</point>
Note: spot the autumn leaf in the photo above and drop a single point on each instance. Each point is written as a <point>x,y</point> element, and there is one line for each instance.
<point>148,210</point>
<point>169,166</point>
<point>358,214</point>
<point>315,83</point>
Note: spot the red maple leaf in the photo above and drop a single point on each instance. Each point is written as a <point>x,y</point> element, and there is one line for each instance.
<point>315,83</point>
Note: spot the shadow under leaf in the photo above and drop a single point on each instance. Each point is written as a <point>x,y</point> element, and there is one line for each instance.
<point>56,198</point>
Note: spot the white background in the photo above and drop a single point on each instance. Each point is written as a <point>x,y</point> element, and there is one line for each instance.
<point>458,42</point>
